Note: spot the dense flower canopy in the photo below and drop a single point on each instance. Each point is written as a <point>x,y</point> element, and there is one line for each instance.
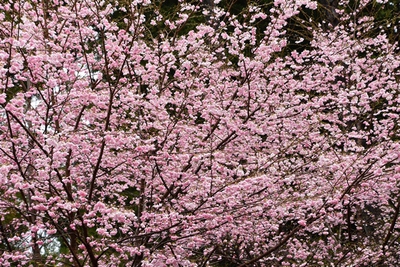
<point>203,133</point>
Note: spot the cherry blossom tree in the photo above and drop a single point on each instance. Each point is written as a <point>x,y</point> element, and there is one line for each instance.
<point>161,133</point>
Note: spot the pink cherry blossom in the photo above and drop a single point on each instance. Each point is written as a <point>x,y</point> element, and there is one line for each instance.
<point>196,133</point>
